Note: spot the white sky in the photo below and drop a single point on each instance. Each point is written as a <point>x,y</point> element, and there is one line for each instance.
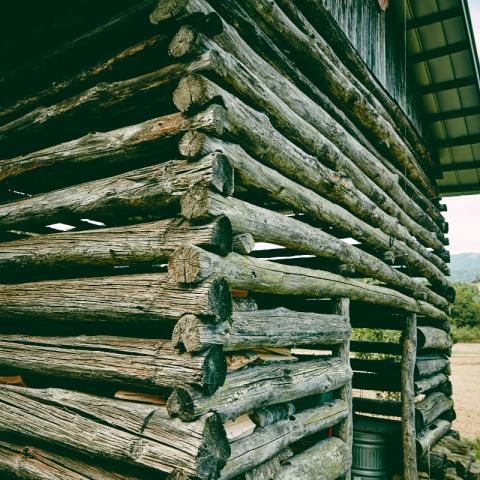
<point>463,213</point>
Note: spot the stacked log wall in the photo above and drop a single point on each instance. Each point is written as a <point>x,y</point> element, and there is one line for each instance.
<point>157,325</point>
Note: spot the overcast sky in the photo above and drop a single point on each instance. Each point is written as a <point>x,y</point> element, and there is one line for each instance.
<point>463,213</point>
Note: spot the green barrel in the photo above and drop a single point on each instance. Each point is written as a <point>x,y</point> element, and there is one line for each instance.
<point>369,456</point>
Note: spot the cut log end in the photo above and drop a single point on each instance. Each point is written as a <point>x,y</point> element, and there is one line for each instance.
<point>186,333</point>
<point>220,299</point>
<point>214,369</point>
<point>222,236</point>
<point>167,10</point>
<point>243,243</point>
<point>187,265</point>
<point>180,405</point>
<point>222,175</point>
<point>192,144</point>
<point>193,91</point>
<point>195,203</point>
<point>183,42</point>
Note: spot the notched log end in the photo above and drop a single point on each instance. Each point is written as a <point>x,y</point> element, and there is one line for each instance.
<point>214,369</point>
<point>222,174</point>
<point>222,236</point>
<point>180,405</point>
<point>220,300</point>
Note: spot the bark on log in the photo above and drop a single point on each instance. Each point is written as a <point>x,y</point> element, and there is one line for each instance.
<point>430,338</point>
<point>431,435</point>
<point>31,463</point>
<point>126,298</point>
<point>140,244</point>
<point>430,408</point>
<point>191,264</point>
<point>324,23</point>
<point>409,340</point>
<point>243,243</point>
<point>327,460</point>
<point>119,360</point>
<point>251,388</point>
<point>153,191</point>
<point>428,365</point>
<point>90,154</point>
<point>319,62</point>
<point>279,327</point>
<point>272,227</point>
<point>438,381</point>
<point>100,108</point>
<point>252,174</point>
<point>267,143</point>
<point>125,432</point>
<point>302,121</point>
<point>268,441</point>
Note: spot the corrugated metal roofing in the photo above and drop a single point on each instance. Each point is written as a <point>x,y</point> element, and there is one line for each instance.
<point>443,56</point>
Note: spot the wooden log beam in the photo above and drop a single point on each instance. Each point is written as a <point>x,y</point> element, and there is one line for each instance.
<point>244,122</point>
<point>431,408</point>
<point>320,63</point>
<point>105,151</point>
<point>272,414</point>
<point>430,338</point>
<point>269,440</point>
<point>126,298</point>
<point>141,244</point>
<point>431,435</point>
<point>305,123</point>
<point>269,469</point>
<point>427,365</point>
<point>377,406</point>
<point>438,381</point>
<point>100,108</point>
<point>261,328</point>
<point>321,206</point>
<point>407,370</point>
<point>243,243</point>
<point>118,360</point>
<point>149,191</point>
<point>125,432</point>
<point>247,389</point>
<point>191,264</point>
<point>327,460</point>
<point>32,463</point>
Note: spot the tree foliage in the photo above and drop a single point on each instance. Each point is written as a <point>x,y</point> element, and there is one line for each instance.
<point>465,312</point>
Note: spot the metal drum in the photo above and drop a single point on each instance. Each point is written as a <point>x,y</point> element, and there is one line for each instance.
<point>369,456</point>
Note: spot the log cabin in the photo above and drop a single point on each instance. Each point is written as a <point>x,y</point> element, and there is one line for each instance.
<point>202,205</point>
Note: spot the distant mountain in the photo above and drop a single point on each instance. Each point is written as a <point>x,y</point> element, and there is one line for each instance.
<point>465,267</point>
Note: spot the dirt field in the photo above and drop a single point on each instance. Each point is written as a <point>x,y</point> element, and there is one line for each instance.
<point>466,388</point>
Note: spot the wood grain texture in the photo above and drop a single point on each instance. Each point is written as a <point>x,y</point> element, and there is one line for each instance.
<point>430,338</point>
<point>250,388</point>
<point>427,438</point>
<point>430,408</point>
<point>125,298</point>
<point>124,432</point>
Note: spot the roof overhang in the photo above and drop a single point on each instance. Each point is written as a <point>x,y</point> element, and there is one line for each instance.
<point>443,58</point>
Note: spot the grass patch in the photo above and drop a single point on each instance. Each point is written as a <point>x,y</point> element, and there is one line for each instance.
<point>466,334</point>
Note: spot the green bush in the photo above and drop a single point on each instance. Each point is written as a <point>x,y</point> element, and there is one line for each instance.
<point>466,334</point>
<point>465,312</point>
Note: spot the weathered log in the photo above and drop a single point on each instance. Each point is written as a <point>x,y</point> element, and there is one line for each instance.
<point>268,226</point>
<point>267,143</point>
<point>105,150</point>
<point>251,388</point>
<point>430,408</point>
<point>268,441</point>
<point>102,107</point>
<point>376,406</point>
<point>126,298</point>
<point>438,381</point>
<point>318,61</point>
<point>153,190</point>
<point>307,124</point>
<point>239,428</point>
<point>31,463</point>
<point>140,244</point>
<point>126,361</point>
<point>279,327</point>
<point>269,469</point>
<point>435,463</point>
<point>268,415</point>
<point>407,370</point>
<point>324,23</point>
<point>430,338</point>
<point>252,174</point>
<point>191,264</point>
<point>428,365</point>
<point>243,243</point>
<point>125,432</point>
<point>327,460</point>
<point>427,438</point>
<point>375,347</point>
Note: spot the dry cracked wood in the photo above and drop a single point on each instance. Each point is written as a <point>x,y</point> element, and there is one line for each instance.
<point>124,432</point>
<point>252,174</point>
<point>254,387</point>
<point>149,191</point>
<point>279,327</point>
<point>431,364</point>
<point>126,298</point>
<point>438,381</point>
<point>120,360</point>
<point>430,338</point>
<point>191,264</point>
<point>267,441</point>
<point>100,152</point>
<point>430,408</point>
<point>140,244</point>
<point>431,435</point>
